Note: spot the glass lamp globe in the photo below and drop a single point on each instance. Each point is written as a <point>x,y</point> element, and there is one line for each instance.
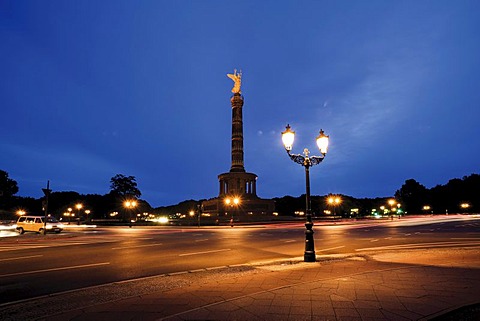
<point>322,142</point>
<point>288,136</point>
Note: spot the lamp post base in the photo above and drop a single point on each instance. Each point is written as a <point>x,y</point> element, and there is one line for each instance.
<point>309,257</point>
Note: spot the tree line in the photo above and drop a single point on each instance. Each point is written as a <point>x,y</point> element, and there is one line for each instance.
<point>73,205</point>
<point>456,196</point>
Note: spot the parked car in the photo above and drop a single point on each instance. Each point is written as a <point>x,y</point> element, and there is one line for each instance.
<point>36,224</point>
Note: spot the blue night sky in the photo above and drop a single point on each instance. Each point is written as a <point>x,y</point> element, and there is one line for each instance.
<point>90,89</point>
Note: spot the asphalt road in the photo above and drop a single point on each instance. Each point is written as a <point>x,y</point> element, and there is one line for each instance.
<point>33,265</point>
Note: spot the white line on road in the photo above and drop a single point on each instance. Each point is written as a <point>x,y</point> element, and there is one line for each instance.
<point>374,240</point>
<point>135,246</point>
<point>20,258</point>
<point>206,252</point>
<point>289,241</point>
<point>55,269</point>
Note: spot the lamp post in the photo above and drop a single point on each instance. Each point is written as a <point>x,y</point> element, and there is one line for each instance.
<point>465,207</point>
<point>427,208</point>
<point>46,191</point>
<point>199,212</point>
<point>130,205</point>
<point>79,206</point>
<point>334,201</point>
<point>232,202</point>
<point>87,212</point>
<point>307,161</point>
<point>394,207</point>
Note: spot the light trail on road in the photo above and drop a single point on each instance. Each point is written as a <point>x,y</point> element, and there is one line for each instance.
<point>135,246</point>
<point>332,248</point>
<point>204,252</point>
<point>55,269</point>
<point>420,245</point>
<point>20,258</point>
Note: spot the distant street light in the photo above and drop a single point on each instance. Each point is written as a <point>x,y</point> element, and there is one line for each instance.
<point>465,206</point>
<point>70,214</point>
<point>79,206</point>
<point>235,201</point>
<point>130,205</point>
<point>21,212</point>
<point>426,208</point>
<point>334,201</point>
<point>87,212</point>
<point>394,207</point>
<point>199,212</point>
<point>288,137</point>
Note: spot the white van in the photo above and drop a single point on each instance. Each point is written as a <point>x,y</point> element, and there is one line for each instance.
<point>36,224</point>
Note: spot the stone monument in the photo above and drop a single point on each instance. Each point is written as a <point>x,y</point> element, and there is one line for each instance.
<point>237,183</point>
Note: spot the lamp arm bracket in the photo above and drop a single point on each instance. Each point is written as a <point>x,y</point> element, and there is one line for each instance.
<point>297,158</point>
<point>315,160</point>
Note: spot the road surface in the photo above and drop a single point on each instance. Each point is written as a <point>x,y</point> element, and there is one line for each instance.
<point>34,265</point>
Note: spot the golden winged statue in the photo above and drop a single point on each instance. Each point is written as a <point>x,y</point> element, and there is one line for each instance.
<point>237,79</point>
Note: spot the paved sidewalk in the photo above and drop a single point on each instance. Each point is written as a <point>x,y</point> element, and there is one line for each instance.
<point>409,285</point>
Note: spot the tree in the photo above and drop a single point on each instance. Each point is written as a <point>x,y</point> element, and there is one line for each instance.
<point>412,195</point>
<point>124,186</point>
<point>8,186</point>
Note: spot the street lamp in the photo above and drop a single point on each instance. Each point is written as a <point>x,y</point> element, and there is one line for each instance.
<point>426,208</point>
<point>288,136</point>
<point>199,212</point>
<point>334,201</point>
<point>394,208</point>
<point>79,206</point>
<point>232,202</point>
<point>130,205</point>
<point>391,202</point>
<point>465,206</point>
<point>87,212</point>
